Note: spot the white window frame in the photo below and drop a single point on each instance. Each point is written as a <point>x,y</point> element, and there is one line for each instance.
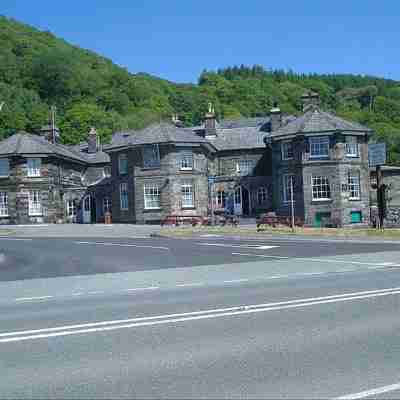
<point>286,187</point>
<point>71,208</point>
<point>262,195</point>
<point>187,194</point>
<point>186,160</point>
<point>123,196</point>
<point>352,149</point>
<point>4,167</point>
<point>221,199</point>
<point>152,197</point>
<point>4,204</point>
<point>106,205</point>
<point>122,164</point>
<point>35,203</point>
<point>245,167</point>
<point>153,151</point>
<point>354,186</point>
<point>320,188</point>
<point>287,150</point>
<point>317,143</point>
<point>34,167</point>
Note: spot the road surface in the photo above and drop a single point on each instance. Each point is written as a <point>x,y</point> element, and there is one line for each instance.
<point>202,318</point>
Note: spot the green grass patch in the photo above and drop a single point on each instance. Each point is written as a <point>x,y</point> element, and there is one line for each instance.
<point>252,231</point>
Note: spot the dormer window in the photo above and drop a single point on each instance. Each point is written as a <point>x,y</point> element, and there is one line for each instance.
<point>186,161</point>
<point>4,168</point>
<point>352,146</point>
<point>34,166</point>
<point>287,150</point>
<point>319,147</point>
<point>151,156</point>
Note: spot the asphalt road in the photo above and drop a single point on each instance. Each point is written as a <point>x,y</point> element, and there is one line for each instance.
<point>310,320</point>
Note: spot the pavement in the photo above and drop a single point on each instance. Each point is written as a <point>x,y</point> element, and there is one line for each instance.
<point>207,317</point>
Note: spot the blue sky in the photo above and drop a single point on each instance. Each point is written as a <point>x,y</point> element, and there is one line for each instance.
<point>177,39</point>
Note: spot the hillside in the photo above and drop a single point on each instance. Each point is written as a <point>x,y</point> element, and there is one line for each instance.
<point>38,70</point>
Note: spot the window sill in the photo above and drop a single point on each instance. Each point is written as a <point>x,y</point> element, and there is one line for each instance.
<point>188,207</point>
<point>319,158</point>
<point>352,155</point>
<point>4,216</point>
<point>186,169</point>
<point>150,168</point>
<point>34,176</point>
<point>152,209</point>
<point>354,198</point>
<point>287,159</point>
<point>35,214</point>
<point>321,200</point>
<point>124,209</point>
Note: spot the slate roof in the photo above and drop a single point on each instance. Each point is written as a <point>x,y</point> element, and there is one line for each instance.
<point>156,133</point>
<point>26,143</point>
<point>315,120</point>
<point>238,138</point>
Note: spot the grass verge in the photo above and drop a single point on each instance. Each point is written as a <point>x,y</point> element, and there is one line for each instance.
<point>393,234</point>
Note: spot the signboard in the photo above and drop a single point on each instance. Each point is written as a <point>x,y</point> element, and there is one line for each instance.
<point>376,154</point>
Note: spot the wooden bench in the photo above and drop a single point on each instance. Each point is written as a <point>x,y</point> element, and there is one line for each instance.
<point>275,220</point>
<point>177,220</point>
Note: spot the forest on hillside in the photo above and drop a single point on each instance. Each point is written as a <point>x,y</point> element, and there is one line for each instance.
<point>38,70</point>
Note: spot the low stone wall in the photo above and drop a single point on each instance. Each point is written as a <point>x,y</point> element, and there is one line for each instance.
<point>392,219</point>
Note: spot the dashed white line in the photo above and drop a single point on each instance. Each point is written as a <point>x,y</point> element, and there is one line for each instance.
<point>142,288</point>
<point>237,280</point>
<point>190,284</point>
<point>123,245</point>
<point>96,292</point>
<point>77,294</point>
<point>33,298</point>
<point>18,239</point>
<point>370,393</point>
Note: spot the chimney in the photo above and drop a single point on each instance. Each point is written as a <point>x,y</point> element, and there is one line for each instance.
<point>210,121</point>
<point>50,133</point>
<point>309,99</point>
<point>92,141</point>
<point>276,117</point>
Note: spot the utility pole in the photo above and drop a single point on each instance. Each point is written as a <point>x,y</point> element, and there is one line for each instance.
<point>380,196</point>
<point>53,124</point>
<point>292,201</point>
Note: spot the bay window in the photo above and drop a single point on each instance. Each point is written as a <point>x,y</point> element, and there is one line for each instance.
<point>3,204</point>
<point>35,203</point>
<point>34,165</point>
<point>320,188</point>
<point>152,197</point>
<point>319,147</point>
<point>187,192</point>
<point>4,168</point>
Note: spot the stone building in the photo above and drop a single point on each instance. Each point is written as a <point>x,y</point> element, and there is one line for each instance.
<point>43,181</point>
<point>159,171</point>
<point>391,180</point>
<point>324,160</point>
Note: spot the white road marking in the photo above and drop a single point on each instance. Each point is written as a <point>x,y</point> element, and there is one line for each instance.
<point>33,298</point>
<point>369,393</point>
<point>246,246</point>
<point>320,260</point>
<point>237,280</point>
<point>190,284</point>
<point>143,288</point>
<point>190,316</point>
<point>123,245</point>
<point>77,294</point>
<point>18,239</point>
<point>96,292</point>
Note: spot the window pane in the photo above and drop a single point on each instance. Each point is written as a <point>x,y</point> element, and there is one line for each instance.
<point>287,150</point>
<point>4,167</point>
<point>35,206</point>
<point>3,204</point>
<point>352,146</point>
<point>34,165</point>
<point>320,188</point>
<point>151,197</point>
<point>122,164</point>
<point>354,186</point>
<point>123,193</point>
<point>319,146</point>
<point>187,194</point>
<point>151,156</point>
<point>187,160</point>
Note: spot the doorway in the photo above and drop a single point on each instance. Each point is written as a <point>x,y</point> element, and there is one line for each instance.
<point>87,209</point>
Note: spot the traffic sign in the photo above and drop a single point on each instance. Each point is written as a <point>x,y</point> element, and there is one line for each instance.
<point>376,154</point>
